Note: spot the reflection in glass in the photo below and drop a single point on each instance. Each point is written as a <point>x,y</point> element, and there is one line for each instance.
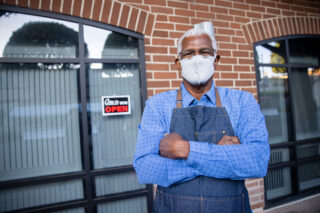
<point>278,183</point>
<point>107,44</point>
<point>309,174</point>
<point>306,52</point>
<point>273,99</point>
<point>133,205</point>
<point>113,137</point>
<point>272,53</point>
<point>42,194</point>
<point>39,120</point>
<point>308,150</point>
<point>279,155</point>
<point>27,36</point>
<point>306,103</point>
<point>117,183</point>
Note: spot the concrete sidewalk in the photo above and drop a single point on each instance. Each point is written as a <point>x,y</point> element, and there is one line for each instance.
<point>307,205</point>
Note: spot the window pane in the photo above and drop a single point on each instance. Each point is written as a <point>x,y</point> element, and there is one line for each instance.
<point>107,44</point>
<point>308,150</point>
<point>271,53</point>
<point>113,137</point>
<point>39,120</point>
<point>38,195</point>
<point>273,99</point>
<point>134,205</point>
<point>117,183</point>
<point>27,36</point>
<point>278,183</point>
<point>306,102</point>
<point>309,175</point>
<point>279,155</point>
<point>305,50</point>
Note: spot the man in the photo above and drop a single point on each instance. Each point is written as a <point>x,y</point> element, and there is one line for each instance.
<point>199,143</point>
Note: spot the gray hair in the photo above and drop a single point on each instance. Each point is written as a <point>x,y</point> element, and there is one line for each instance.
<point>205,28</point>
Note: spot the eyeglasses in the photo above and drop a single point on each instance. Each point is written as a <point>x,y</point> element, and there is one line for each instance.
<point>189,53</point>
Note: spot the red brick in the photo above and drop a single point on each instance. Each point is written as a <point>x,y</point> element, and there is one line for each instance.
<point>150,92</point>
<point>240,83</point>
<point>251,33</point>
<point>270,26</point>
<point>268,4</point>
<point>132,19</point>
<point>257,9</point>
<point>45,5</point>
<point>162,10</point>
<point>224,83</point>
<point>199,7</point>
<point>222,10</point>
<point>155,2</point>
<point>287,13</point>
<point>204,1</point>
<point>162,41</point>
<point>181,12</point>
<point>223,53</point>
<point>142,21</point>
<point>266,29</point>
<point>273,11</point>
<point>164,26</point>
<point>238,40</point>
<point>224,17</point>
<point>241,68</point>
<point>178,4</point>
<point>149,26</point>
<point>66,7</point>
<point>227,46</point>
<point>228,60</point>
<point>223,38</point>
<point>177,19</point>
<point>256,31</point>
<point>96,10</point>
<point>241,6</point>
<point>13,2</point>
<point>162,18</point>
<point>197,20</point>
<point>205,15</point>
<point>236,12</point>
<point>245,47</point>
<point>173,50</point>
<point>230,75</point>
<point>87,9</point>
<point>224,3</point>
<point>254,15</point>
<point>76,8</point>
<point>284,6</point>
<point>56,5</point>
<point>176,83</point>
<point>258,2</point>
<point>115,13</point>
<point>152,49</point>
<point>241,19</point>
<point>234,25</point>
<point>175,34</point>
<point>148,58</point>
<point>247,36</point>
<point>106,12</point>
<point>221,67</point>
<point>132,1</point>
<point>124,16</point>
<point>160,33</point>
<point>247,76</point>
<point>240,53</point>
<point>157,84</point>
<point>275,28</point>
<point>165,75</point>
<point>181,27</point>
<point>225,31</point>
<point>143,7</point>
<point>158,67</point>
<point>220,23</point>
<point>163,58</point>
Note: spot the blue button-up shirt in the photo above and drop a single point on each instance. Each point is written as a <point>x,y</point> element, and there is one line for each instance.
<point>237,162</point>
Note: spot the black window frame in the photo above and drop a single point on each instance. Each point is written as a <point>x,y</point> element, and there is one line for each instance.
<point>90,201</point>
<point>292,142</point>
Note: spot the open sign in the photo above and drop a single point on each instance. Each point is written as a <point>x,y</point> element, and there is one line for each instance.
<point>116,105</point>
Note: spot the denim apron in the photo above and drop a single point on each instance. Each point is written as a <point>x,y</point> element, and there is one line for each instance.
<point>202,194</point>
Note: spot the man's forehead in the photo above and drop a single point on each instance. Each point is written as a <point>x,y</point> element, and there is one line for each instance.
<point>197,41</point>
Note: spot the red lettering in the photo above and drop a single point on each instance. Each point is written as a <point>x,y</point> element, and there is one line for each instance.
<point>125,108</point>
<point>107,109</point>
<point>114,108</point>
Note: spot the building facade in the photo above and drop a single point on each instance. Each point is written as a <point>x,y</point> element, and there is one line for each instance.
<point>66,65</point>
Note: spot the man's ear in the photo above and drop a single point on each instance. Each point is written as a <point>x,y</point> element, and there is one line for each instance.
<point>216,61</point>
<point>177,62</point>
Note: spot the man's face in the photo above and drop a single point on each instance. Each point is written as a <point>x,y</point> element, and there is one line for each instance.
<point>199,44</point>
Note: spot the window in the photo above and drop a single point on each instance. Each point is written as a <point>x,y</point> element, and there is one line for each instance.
<point>288,76</point>
<point>57,149</point>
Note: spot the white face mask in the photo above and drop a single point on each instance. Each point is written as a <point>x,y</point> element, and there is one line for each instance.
<point>198,69</point>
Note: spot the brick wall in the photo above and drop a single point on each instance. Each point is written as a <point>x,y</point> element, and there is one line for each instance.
<point>238,24</point>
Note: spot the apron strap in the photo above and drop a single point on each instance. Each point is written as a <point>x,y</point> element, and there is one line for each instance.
<point>179,98</point>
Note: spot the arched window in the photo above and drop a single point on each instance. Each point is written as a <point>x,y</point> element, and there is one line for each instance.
<point>72,94</point>
<point>288,76</point>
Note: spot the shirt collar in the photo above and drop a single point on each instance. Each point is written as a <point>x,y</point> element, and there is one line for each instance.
<point>188,99</point>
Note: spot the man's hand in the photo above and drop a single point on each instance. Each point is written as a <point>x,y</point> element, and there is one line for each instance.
<point>173,146</point>
<point>229,140</point>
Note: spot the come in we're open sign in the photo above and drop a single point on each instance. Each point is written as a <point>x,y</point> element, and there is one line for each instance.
<point>116,105</point>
